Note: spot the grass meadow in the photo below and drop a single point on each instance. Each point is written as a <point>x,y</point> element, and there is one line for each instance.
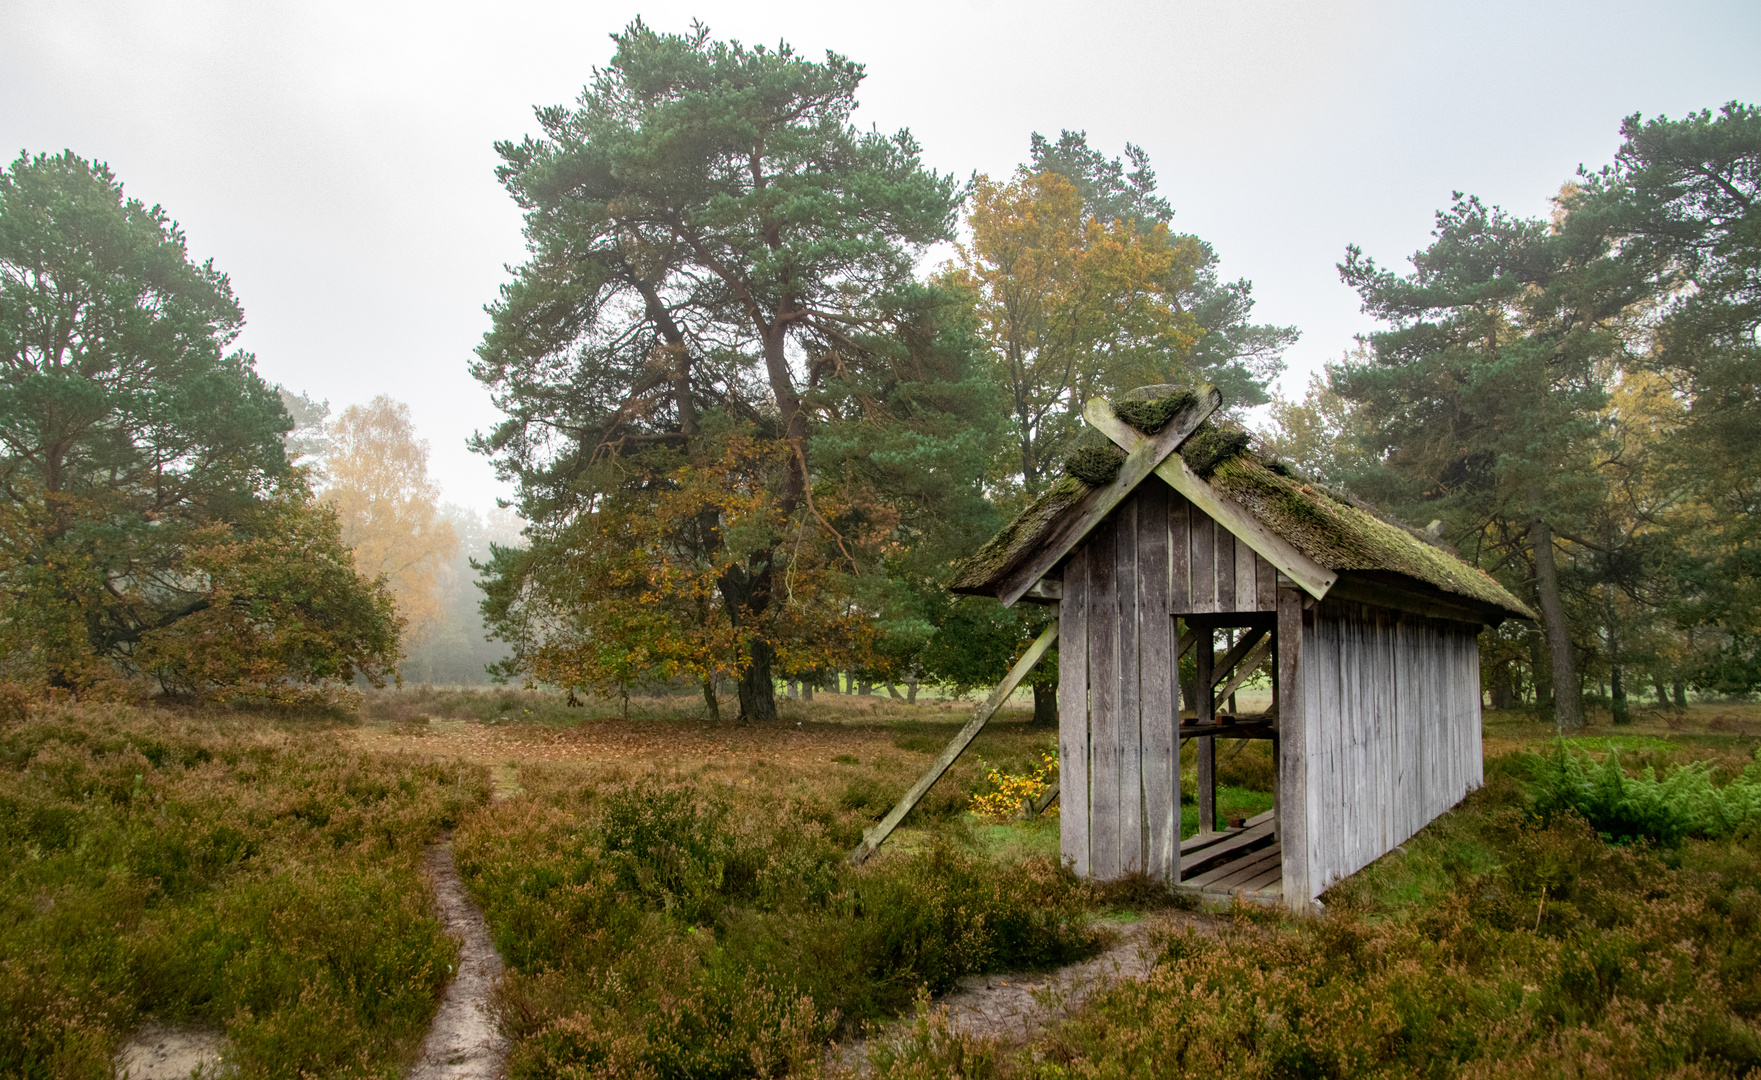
<point>672,900</point>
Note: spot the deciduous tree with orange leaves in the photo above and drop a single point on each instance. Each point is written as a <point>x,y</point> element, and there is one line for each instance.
<point>375,473</point>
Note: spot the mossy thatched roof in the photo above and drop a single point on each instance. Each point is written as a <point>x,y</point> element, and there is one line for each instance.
<point>1345,535</point>
<point>1340,533</point>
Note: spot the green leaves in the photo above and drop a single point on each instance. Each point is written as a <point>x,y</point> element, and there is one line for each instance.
<point>137,456</point>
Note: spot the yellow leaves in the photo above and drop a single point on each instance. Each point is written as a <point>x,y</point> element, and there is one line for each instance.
<point>1070,304</point>
<point>1009,791</point>
<point>377,482</point>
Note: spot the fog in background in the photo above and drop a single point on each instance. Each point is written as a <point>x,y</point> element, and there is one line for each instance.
<point>335,159</point>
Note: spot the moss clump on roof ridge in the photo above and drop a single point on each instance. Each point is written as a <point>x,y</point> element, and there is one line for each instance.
<point>1095,464</point>
<point>1211,445</point>
<point>1341,535</point>
<point>1150,415</point>
<point>1002,551</point>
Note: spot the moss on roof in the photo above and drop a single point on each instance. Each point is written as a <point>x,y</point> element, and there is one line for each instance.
<point>1211,445</point>
<point>1150,414</point>
<point>1343,534</point>
<point>984,567</point>
<point>1335,530</point>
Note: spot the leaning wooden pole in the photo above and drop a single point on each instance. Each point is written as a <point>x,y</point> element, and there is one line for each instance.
<point>874,837</point>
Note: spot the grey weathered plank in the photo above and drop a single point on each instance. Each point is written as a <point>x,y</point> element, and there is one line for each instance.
<point>1224,560</point>
<point>874,837</point>
<point>1246,585</point>
<point>1266,582</point>
<point>1161,751</point>
<point>1233,658</point>
<point>1222,877</point>
<point>1104,711</point>
<point>1314,578</point>
<point>1179,553</point>
<point>1244,670</point>
<point>1259,882</point>
<point>1073,750</point>
<point>1209,845</point>
<point>1129,734</point>
<point>1204,562</point>
<point>1141,459</point>
<point>1293,760</point>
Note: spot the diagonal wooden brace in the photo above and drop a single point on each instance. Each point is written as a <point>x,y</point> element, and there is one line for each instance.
<point>872,838</point>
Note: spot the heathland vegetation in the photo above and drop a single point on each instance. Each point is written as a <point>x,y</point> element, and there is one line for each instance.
<point>750,432</point>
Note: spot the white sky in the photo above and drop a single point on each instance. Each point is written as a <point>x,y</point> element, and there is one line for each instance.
<point>335,158</point>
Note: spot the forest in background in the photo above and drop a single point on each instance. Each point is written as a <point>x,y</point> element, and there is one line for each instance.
<point>749,432</point>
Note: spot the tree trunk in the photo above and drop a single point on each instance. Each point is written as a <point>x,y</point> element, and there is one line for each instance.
<point>1045,705</point>
<point>1543,686</point>
<point>1681,696</point>
<point>893,692</point>
<point>710,704</point>
<point>910,691</point>
<point>807,689</point>
<point>1568,705</point>
<point>1616,686</point>
<point>758,693</point>
<point>1503,694</point>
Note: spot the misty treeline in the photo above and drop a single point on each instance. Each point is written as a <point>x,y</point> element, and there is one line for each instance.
<point>764,377</point>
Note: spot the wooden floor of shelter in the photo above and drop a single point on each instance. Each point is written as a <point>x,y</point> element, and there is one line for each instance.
<point>1245,862</point>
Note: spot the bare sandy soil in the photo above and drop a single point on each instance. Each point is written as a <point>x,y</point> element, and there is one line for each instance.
<point>162,1053</point>
<point>463,1044</point>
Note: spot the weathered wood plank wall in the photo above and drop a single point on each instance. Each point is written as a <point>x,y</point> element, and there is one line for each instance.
<point>1211,573</point>
<point>1391,726</point>
<point>1116,697</point>
<point>1381,728</point>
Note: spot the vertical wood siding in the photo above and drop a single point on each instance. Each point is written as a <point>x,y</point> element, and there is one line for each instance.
<point>1392,726</point>
<point>1211,572</point>
<point>1385,705</point>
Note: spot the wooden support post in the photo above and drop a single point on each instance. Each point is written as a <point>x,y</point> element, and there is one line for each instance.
<point>1292,752</point>
<point>1206,710</point>
<point>873,838</point>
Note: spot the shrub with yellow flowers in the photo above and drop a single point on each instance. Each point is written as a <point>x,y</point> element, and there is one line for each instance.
<point>1012,793</point>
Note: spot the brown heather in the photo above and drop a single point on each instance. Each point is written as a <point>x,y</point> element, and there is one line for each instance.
<point>685,928</point>
<point>222,870</point>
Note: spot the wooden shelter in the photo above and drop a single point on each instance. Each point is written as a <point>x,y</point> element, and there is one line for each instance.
<point>1171,533</point>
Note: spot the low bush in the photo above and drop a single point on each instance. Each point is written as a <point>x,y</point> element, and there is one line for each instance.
<point>205,869</point>
<point>1684,802</point>
<point>689,930</point>
<point>1499,942</point>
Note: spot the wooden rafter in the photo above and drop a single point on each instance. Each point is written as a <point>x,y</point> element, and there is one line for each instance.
<point>1142,457</point>
<point>1309,575</point>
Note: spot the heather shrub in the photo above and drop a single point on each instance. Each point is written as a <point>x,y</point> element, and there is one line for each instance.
<point>244,875</point>
<point>1499,942</point>
<point>689,929</point>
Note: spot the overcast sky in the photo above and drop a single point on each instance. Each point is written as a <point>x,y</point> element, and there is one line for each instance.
<point>335,158</point>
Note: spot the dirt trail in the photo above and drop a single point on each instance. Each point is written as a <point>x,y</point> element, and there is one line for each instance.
<point>463,1044</point>
<point>1012,1008</point>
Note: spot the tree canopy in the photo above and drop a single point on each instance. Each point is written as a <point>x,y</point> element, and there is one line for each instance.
<point>728,400</point>
<point>138,455</point>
